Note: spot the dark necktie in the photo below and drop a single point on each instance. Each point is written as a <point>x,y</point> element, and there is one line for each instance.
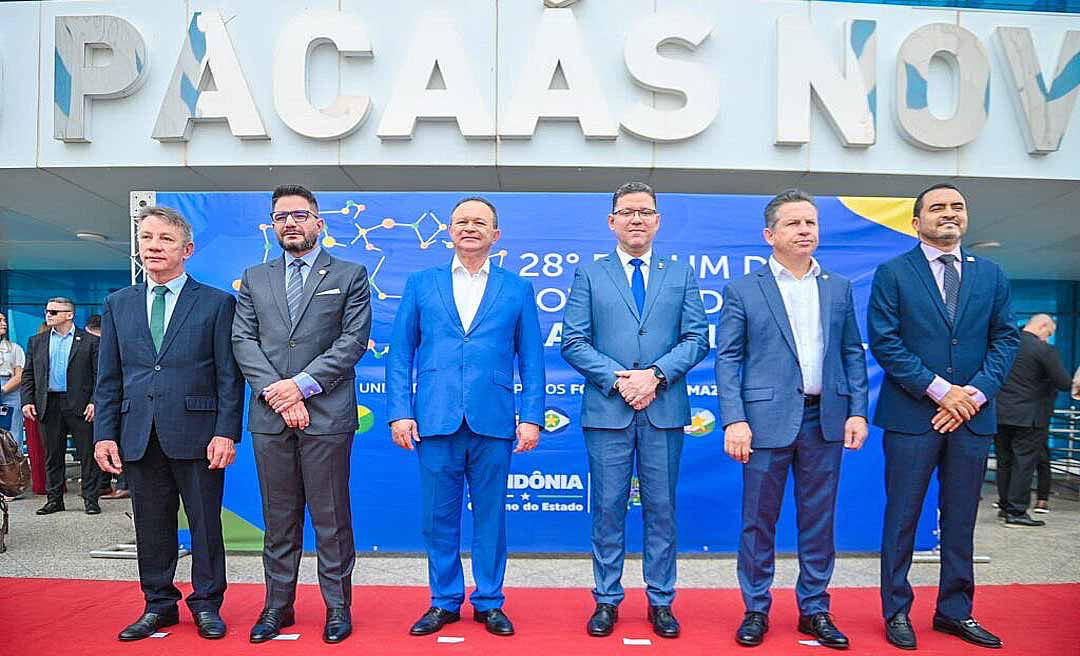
<point>637,285</point>
<point>952,285</point>
<point>157,316</point>
<point>294,290</point>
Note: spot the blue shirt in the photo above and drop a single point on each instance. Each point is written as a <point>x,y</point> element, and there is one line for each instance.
<point>174,286</point>
<point>309,387</point>
<point>59,350</point>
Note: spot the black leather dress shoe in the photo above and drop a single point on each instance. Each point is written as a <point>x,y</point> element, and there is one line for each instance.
<point>753,629</point>
<point>663,621</point>
<point>899,633</point>
<point>495,621</point>
<point>270,623</point>
<point>148,625</point>
<point>967,629</point>
<point>50,507</point>
<point>603,619</point>
<point>338,625</point>
<point>433,620</point>
<point>1022,521</point>
<point>820,625</point>
<point>92,507</point>
<point>210,624</point>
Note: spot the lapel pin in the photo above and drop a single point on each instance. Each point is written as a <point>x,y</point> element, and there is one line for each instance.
<point>77,338</point>
<point>660,264</point>
<point>322,272</point>
<point>970,259</point>
<point>824,276</point>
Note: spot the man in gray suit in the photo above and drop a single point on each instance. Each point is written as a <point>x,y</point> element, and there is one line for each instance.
<point>302,323</point>
<point>634,326</point>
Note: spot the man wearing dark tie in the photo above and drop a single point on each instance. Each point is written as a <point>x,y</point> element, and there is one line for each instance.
<point>170,400</point>
<point>792,384</point>
<point>302,323</point>
<point>58,391</point>
<point>461,327</point>
<point>634,326</point>
<point>941,327</point>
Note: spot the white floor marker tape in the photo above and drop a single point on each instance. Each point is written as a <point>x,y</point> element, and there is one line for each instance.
<point>450,640</point>
<point>159,634</point>
<point>810,643</point>
<point>287,636</point>
<point>640,642</point>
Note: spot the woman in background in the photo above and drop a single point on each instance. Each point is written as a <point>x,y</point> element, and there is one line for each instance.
<point>12,361</point>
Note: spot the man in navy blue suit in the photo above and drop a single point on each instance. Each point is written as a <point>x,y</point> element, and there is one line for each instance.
<point>461,327</point>
<point>942,328</point>
<point>170,401</point>
<point>634,326</point>
<point>791,380</point>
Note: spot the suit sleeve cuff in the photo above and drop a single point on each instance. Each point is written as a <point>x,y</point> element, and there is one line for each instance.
<point>309,387</point>
<point>938,388</point>
<point>978,397</point>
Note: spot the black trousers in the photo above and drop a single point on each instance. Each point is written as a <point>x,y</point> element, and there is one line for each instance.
<point>57,422</point>
<point>158,484</point>
<point>1018,451</point>
<point>1043,475</point>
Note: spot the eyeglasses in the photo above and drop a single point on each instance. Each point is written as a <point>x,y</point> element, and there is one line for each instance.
<point>53,313</point>
<point>300,216</point>
<point>629,213</point>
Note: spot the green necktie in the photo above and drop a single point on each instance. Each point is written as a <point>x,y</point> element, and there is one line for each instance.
<point>157,316</point>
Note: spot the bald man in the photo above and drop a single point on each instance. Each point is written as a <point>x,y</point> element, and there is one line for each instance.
<point>1025,404</point>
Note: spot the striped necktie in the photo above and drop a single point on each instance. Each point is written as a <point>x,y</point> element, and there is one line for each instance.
<point>952,285</point>
<point>294,290</point>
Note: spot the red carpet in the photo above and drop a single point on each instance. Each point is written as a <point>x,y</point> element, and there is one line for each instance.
<point>42,617</point>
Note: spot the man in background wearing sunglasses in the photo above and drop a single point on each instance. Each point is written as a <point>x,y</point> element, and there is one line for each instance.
<point>58,390</point>
<point>302,323</point>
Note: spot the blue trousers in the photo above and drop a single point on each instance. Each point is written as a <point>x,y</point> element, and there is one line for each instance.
<point>910,460</point>
<point>446,463</point>
<point>816,465</point>
<point>612,456</point>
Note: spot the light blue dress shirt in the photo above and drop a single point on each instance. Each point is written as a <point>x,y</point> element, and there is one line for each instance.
<point>174,286</point>
<point>309,387</point>
<point>59,350</point>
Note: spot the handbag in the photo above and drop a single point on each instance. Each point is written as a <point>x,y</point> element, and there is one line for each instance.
<point>14,466</point>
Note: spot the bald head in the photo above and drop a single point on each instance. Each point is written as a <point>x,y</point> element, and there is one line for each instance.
<point>1041,325</point>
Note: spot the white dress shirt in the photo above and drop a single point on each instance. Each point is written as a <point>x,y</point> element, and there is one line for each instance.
<point>625,258</point>
<point>468,289</point>
<point>174,286</point>
<point>938,268</point>
<point>804,313</point>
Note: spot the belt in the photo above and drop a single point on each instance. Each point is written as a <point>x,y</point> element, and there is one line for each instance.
<point>810,401</point>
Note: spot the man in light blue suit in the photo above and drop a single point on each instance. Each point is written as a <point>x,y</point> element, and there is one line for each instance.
<point>942,328</point>
<point>461,326</point>
<point>791,379</point>
<point>634,326</point>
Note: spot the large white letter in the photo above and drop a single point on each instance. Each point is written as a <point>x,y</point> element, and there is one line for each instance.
<point>207,55</point>
<point>558,44</point>
<point>295,43</point>
<point>436,44</point>
<point>971,67</point>
<point>692,81</point>
<point>804,68</point>
<point>76,81</point>
<point>1043,110</point>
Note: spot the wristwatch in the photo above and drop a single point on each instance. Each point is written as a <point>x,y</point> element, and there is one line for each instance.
<point>659,375</point>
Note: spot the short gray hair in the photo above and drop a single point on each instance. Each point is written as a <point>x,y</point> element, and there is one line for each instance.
<point>783,198</point>
<point>631,188</point>
<point>168,215</point>
<point>62,300</point>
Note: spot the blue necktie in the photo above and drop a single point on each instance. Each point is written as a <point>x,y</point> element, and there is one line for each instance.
<point>294,290</point>
<point>637,285</point>
<point>952,285</point>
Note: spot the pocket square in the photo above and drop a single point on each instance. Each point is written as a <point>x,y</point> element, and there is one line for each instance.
<point>328,292</point>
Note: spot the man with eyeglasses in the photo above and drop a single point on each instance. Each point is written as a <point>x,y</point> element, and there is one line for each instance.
<point>302,323</point>
<point>634,326</point>
<point>57,391</point>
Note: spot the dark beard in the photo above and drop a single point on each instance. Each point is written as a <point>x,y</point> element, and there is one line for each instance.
<point>305,246</point>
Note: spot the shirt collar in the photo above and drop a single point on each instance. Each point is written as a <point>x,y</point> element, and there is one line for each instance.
<point>932,253</point>
<point>174,285</point>
<point>625,257</point>
<point>779,269</point>
<point>308,259</point>
<point>65,336</point>
<point>457,265</point>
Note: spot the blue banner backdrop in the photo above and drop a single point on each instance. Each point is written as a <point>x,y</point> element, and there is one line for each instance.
<point>545,237</point>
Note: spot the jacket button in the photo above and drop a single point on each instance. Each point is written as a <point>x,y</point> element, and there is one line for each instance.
<point>948,370</point>
<point>641,332</point>
<point>635,365</point>
<point>292,343</point>
<point>466,339</point>
<point>955,342</point>
<point>150,396</point>
<point>157,367</point>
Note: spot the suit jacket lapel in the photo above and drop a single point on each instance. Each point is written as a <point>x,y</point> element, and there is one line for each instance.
<point>618,276</point>
<point>776,304</point>
<point>491,292</point>
<point>917,260</point>
<point>657,271</point>
<point>76,342</point>
<point>275,277</point>
<point>824,286</point>
<point>967,283</point>
<point>445,282</point>
<point>181,310</point>
<point>315,278</point>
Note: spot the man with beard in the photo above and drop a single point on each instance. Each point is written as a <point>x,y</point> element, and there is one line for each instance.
<point>302,323</point>
<point>942,329</point>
